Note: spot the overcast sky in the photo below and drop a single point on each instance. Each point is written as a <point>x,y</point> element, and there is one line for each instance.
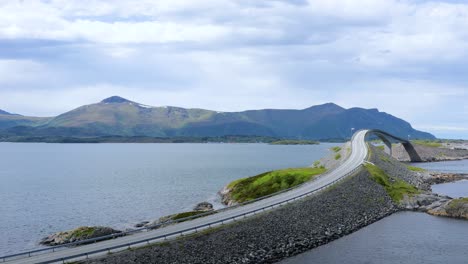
<point>407,58</point>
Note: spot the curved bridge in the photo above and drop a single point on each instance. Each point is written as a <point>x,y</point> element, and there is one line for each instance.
<point>387,140</point>
<point>144,236</point>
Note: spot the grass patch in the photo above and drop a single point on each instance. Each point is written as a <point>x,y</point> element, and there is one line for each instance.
<point>294,142</point>
<point>82,232</point>
<point>381,147</point>
<point>395,188</point>
<point>457,207</point>
<point>338,156</point>
<point>414,168</point>
<point>456,203</point>
<point>384,158</point>
<point>336,149</point>
<point>427,143</point>
<point>186,214</point>
<point>251,188</point>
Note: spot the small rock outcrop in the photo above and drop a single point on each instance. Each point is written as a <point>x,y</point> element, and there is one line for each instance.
<point>456,208</point>
<point>423,202</point>
<point>438,178</point>
<point>226,197</point>
<point>203,206</point>
<point>78,234</point>
<point>141,224</point>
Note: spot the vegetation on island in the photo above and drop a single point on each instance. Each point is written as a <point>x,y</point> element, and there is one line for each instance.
<point>336,149</point>
<point>337,156</point>
<point>82,232</point>
<point>428,143</point>
<point>394,187</point>
<point>79,234</point>
<point>381,147</point>
<point>294,142</point>
<point>267,183</point>
<point>186,214</point>
<point>456,203</point>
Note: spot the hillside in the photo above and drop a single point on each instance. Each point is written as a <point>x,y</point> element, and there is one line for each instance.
<point>121,117</point>
<point>8,120</point>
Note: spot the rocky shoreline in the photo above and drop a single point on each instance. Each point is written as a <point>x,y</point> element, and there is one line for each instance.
<point>439,205</point>
<point>278,234</point>
<point>430,154</point>
<point>440,177</point>
<point>275,235</point>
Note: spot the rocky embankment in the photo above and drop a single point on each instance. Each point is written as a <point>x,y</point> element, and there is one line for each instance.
<point>425,201</point>
<point>78,234</point>
<point>429,154</point>
<point>275,235</point>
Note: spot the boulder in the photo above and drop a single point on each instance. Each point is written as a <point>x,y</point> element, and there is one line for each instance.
<point>423,201</point>
<point>141,224</point>
<point>203,206</point>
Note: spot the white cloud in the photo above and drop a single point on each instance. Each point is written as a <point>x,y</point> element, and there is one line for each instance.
<point>19,71</point>
<point>404,57</point>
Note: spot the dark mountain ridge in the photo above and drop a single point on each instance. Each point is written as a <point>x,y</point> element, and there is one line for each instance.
<point>117,116</point>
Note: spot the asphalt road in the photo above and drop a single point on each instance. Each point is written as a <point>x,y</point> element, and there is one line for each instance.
<point>358,154</point>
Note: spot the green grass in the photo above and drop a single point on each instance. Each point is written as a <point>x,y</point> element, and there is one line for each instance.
<point>247,189</point>
<point>384,158</point>
<point>294,142</point>
<point>82,232</point>
<point>336,149</point>
<point>395,188</point>
<point>413,168</point>
<point>382,147</point>
<point>186,214</point>
<point>338,156</point>
<point>456,203</point>
<point>427,143</point>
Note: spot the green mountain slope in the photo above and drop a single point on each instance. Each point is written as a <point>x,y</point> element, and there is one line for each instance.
<point>8,120</point>
<point>122,117</point>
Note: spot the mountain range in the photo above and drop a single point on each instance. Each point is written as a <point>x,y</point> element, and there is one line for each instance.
<point>117,116</point>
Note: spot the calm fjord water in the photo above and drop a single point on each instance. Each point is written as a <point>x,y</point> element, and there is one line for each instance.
<point>47,188</point>
<point>405,237</point>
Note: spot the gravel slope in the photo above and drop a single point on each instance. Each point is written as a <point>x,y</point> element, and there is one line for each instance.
<point>272,236</point>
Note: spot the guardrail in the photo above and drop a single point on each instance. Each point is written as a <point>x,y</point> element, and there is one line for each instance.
<point>148,240</point>
<point>152,227</point>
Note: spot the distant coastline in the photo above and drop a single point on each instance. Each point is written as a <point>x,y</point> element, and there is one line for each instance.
<point>144,139</point>
<point>294,142</point>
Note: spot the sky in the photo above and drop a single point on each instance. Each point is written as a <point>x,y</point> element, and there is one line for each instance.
<point>407,58</point>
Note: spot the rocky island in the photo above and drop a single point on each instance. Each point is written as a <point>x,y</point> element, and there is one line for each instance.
<point>79,234</point>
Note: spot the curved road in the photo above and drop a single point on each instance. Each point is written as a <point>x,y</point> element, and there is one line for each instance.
<point>357,157</point>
